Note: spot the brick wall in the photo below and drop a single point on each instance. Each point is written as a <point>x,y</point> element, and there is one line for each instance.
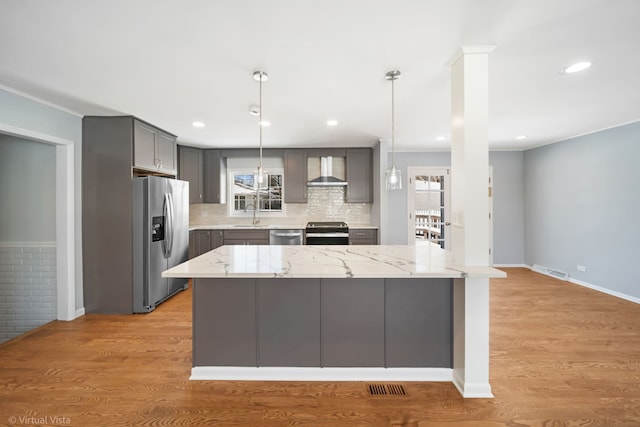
<point>27,287</point>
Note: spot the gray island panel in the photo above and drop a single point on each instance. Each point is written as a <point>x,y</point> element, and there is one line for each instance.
<point>289,322</point>
<point>352,322</point>
<point>224,322</point>
<point>419,322</point>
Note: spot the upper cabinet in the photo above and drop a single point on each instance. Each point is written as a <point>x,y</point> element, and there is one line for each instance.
<point>205,170</point>
<point>295,176</point>
<point>359,175</point>
<point>202,168</point>
<point>153,149</point>
<point>190,168</point>
<point>212,176</point>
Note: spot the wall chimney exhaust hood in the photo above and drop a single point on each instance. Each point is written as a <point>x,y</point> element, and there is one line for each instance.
<point>326,178</point>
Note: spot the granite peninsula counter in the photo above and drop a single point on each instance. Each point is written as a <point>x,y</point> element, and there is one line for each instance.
<point>367,313</point>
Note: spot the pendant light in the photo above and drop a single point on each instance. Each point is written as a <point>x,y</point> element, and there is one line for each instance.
<point>260,76</point>
<point>393,177</point>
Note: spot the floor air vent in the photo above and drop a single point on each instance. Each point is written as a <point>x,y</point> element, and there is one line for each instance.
<point>550,272</point>
<point>386,390</point>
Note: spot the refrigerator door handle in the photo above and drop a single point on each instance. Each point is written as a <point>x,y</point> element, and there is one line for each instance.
<point>169,226</point>
<point>165,217</point>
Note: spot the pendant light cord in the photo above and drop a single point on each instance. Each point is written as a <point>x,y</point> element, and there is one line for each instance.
<point>260,123</point>
<point>393,125</point>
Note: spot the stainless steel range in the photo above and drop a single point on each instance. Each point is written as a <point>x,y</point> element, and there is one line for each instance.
<point>327,233</point>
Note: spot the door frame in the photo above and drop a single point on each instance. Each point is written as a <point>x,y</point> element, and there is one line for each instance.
<point>65,217</point>
<point>425,170</point>
<point>428,170</point>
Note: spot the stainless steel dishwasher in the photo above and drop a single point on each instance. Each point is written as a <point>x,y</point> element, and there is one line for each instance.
<point>286,237</point>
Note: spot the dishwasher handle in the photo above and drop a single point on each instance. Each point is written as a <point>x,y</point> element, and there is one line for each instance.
<point>289,234</point>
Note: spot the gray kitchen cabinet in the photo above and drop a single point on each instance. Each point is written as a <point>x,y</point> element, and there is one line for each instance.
<point>359,175</point>
<point>153,149</point>
<point>226,328</point>
<point>109,144</point>
<point>358,303</point>
<point>217,238</point>
<point>295,176</point>
<point>363,236</point>
<point>190,166</point>
<point>246,237</point>
<point>289,322</point>
<point>202,241</point>
<point>412,307</point>
<point>211,176</point>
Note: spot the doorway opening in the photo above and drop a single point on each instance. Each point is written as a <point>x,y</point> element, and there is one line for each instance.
<point>64,217</point>
<point>27,235</point>
<point>428,206</point>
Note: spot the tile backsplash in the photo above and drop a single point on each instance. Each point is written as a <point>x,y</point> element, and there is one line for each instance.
<point>323,204</point>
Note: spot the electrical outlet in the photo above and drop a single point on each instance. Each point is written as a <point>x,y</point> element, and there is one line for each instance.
<point>581,268</point>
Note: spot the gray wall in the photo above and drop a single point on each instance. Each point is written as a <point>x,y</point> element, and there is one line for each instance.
<point>27,191</point>
<point>508,207</point>
<point>582,200</point>
<point>508,201</point>
<point>20,112</point>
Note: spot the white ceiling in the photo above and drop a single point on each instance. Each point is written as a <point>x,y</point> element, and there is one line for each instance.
<point>173,62</point>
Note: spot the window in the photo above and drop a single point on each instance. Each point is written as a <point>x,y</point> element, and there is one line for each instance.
<point>246,197</point>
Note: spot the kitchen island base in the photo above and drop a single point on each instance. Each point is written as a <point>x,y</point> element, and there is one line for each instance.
<point>323,323</point>
<point>347,313</point>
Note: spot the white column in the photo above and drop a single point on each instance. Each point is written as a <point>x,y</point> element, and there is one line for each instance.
<point>469,217</point>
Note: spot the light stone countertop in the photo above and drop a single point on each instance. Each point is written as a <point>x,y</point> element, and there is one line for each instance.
<point>267,226</point>
<point>248,227</point>
<point>333,261</point>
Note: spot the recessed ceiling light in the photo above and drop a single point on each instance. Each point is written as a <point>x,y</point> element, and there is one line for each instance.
<point>440,138</point>
<point>521,137</point>
<point>197,124</point>
<point>577,67</point>
<point>265,123</point>
<point>332,122</point>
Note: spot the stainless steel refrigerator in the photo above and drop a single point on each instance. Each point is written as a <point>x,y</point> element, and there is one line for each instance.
<point>160,238</point>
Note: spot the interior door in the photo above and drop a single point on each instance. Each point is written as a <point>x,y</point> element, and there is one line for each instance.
<point>428,206</point>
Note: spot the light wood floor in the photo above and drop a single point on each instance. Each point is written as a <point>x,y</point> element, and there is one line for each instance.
<point>561,355</point>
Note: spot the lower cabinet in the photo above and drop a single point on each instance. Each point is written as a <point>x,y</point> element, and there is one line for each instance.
<point>202,241</point>
<point>246,237</point>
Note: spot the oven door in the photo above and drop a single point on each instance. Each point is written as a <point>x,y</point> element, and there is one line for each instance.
<point>315,238</point>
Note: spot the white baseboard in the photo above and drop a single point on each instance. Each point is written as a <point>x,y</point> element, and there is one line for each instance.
<point>512,266</point>
<point>78,313</point>
<point>601,289</point>
<point>605,290</point>
<point>268,373</point>
<point>472,391</point>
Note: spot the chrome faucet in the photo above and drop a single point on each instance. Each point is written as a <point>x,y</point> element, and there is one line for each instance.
<point>254,205</point>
